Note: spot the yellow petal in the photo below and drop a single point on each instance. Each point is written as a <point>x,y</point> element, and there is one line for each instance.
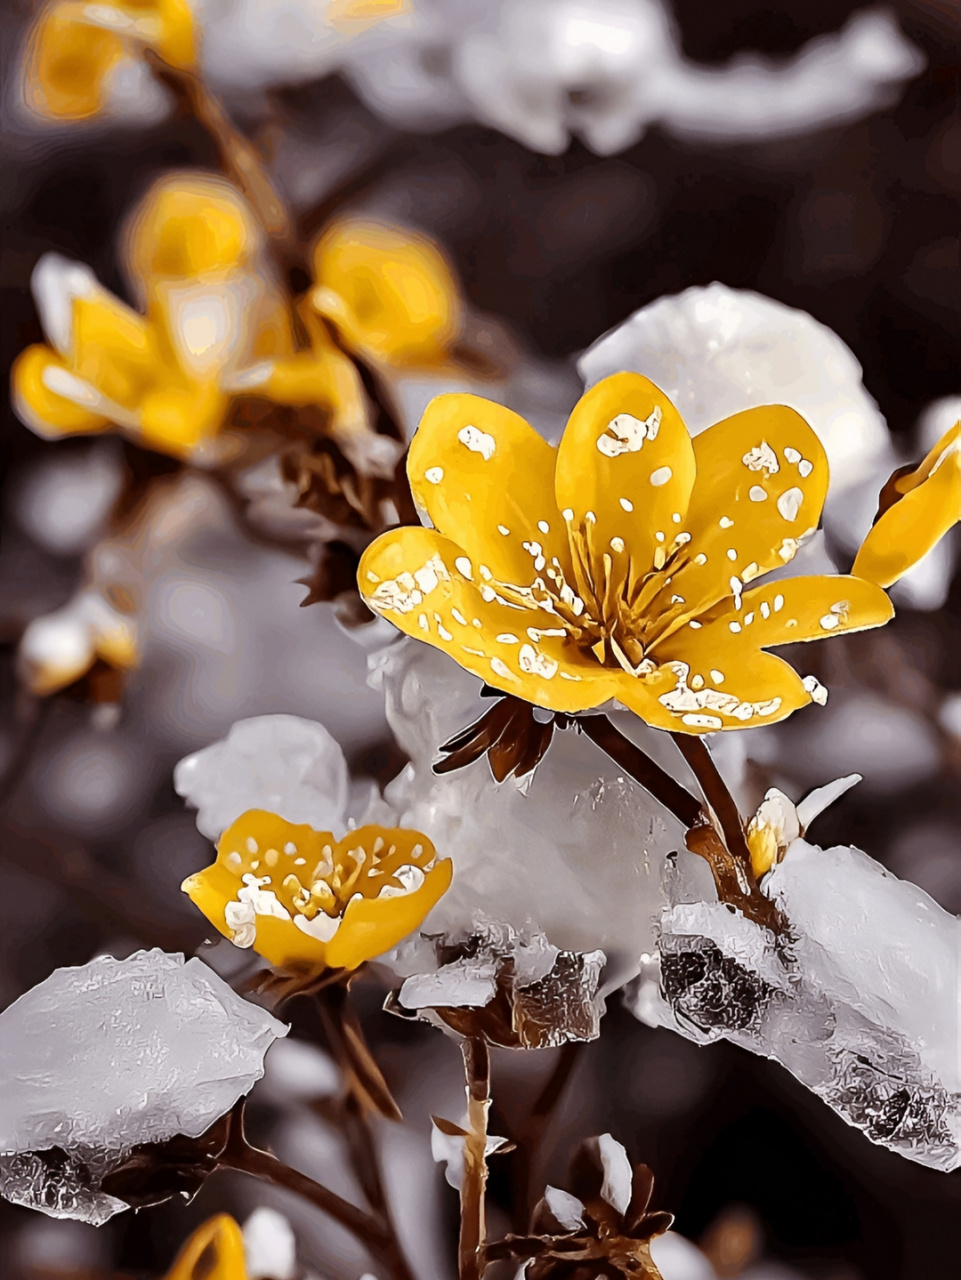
<point>220,1243</point>
<point>737,688</point>
<point>177,41</point>
<point>177,420</point>
<point>189,225</point>
<point>931,505</point>
<point>113,349</point>
<point>371,926</point>
<point>625,468</point>
<point>68,65</point>
<point>389,291</point>
<point>762,477</point>
<point>486,480</point>
<point>43,411</point>
<point>781,612</point>
<point>411,577</point>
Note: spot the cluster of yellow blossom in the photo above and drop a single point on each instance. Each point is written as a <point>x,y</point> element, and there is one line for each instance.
<point>306,901</point>
<point>215,324</point>
<point>619,565</point>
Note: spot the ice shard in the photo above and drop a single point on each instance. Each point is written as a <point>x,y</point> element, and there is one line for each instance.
<point>103,1057</point>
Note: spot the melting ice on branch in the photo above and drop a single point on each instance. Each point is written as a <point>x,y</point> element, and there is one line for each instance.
<point>106,1056</point>
<point>862,1004</point>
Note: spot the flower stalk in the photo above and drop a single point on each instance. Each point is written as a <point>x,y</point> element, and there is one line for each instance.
<point>473,1224</point>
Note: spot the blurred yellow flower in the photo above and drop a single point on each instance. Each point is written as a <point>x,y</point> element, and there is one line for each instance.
<point>215,1251</point>
<point>58,648</point>
<point>77,50</point>
<point>925,504</point>
<point>617,566</point>
<point>390,292</point>
<point>194,258</point>
<point>306,901</point>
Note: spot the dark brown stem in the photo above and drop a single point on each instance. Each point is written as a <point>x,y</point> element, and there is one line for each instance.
<point>696,753</point>
<point>473,1224</point>
<point>685,807</point>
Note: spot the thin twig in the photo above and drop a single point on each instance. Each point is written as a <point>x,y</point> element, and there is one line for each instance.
<point>473,1223</point>
<point>695,752</point>
<point>240,1155</point>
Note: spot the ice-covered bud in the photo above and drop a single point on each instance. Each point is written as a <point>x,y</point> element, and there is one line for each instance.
<point>716,351</point>
<point>285,764</point>
<point>270,1248</point>
<point>860,1001</point>
<point>60,647</point>
<point>110,1055</point>
<point>778,822</point>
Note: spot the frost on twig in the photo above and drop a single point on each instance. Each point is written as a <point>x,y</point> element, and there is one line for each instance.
<point>861,1002</point>
<point>515,989</point>
<point>109,1056</point>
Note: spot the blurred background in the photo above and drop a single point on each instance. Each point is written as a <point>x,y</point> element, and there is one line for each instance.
<point>854,221</point>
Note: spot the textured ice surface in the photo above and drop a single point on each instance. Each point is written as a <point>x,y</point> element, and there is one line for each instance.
<point>575,856</point>
<point>716,351</point>
<point>285,764</point>
<point>861,1003</point>
<point>100,1058</point>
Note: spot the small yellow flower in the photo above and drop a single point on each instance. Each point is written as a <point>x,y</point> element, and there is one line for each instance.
<point>61,647</point>
<point>618,565</point>
<point>165,377</point>
<point>306,901</point>
<point>390,293</point>
<point>927,503</point>
<point>219,1242</point>
<point>76,49</point>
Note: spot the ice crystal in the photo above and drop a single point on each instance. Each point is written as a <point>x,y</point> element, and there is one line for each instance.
<point>106,1056</point>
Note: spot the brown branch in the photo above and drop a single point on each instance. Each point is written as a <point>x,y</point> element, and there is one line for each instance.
<point>696,753</point>
<point>238,1154</point>
<point>473,1225</point>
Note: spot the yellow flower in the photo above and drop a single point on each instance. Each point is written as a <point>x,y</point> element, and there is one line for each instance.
<point>165,378</point>
<point>77,49</point>
<point>617,566</point>
<point>219,1243</point>
<point>390,293</point>
<point>925,504</point>
<point>58,648</point>
<point>306,901</point>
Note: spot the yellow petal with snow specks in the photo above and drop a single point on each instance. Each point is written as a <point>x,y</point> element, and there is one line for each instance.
<point>215,1251</point>
<point>372,926</point>
<point>762,477</point>
<point>390,292</point>
<point>306,901</point>
<point>625,469</point>
<point>784,611</point>
<point>485,478</point>
<point>930,506</point>
<point>189,225</point>
<point>411,577</point>
<point>737,689</point>
<point>45,412</point>
<point>68,66</point>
